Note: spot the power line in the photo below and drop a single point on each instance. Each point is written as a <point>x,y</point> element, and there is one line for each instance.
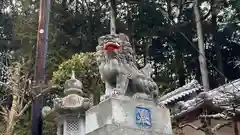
<point>201,53</point>
<point>215,68</point>
<point>198,52</point>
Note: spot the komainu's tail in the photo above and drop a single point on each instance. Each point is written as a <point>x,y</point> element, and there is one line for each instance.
<point>147,70</point>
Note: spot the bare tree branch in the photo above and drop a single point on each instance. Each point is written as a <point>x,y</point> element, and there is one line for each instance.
<point>27,105</point>
<point>206,129</point>
<point>192,126</point>
<point>216,116</point>
<point>219,126</point>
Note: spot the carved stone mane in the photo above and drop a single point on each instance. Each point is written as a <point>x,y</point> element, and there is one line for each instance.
<point>126,51</point>
<point>118,70</point>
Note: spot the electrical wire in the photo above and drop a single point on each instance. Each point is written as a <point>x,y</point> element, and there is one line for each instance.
<point>214,67</point>
<point>202,54</point>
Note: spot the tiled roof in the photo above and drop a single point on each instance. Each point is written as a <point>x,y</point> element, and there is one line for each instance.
<point>225,93</point>
<point>221,97</point>
<point>181,92</point>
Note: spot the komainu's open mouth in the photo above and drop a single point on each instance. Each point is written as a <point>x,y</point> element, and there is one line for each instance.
<point>110,46</point>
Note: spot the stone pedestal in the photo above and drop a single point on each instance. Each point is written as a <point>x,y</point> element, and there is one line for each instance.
<point>120,116</point>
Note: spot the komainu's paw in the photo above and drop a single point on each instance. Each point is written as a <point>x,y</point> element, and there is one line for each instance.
<point>161,105</point>
<point>104,97</point>
<point>141,96</point>
<point>115,92</point>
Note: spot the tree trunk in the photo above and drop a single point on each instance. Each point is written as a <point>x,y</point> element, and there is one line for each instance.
<point>145,52</point>
<point>180,68</point>
<point>12,116</point>
<point>113,17</point>
<point>217,44</point>
<point>131,30</point>
<point>15,94</point>
<point>202,57</point>
<point>235,127</point>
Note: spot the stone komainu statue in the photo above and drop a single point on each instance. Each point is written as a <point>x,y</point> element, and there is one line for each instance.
<point>118,70</point>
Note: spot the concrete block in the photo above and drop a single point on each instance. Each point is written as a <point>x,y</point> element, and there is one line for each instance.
<point>117,116</point>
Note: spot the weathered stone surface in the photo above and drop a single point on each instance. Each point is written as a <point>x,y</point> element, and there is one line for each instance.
<point>70,124</point>
<point>115,130</point>
<point>116,63</point>
<point>73,86</point>
<point>72,100</point>
<point>70,110</point>
<point>117,116</point>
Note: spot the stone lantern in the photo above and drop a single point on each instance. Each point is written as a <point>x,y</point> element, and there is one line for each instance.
<point>71,109</point>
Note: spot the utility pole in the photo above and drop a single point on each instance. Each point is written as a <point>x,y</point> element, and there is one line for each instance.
<point>202,56</point>
<point>39,76</point>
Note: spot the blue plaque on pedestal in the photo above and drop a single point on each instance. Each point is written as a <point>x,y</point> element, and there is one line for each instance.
<point>143,117</point>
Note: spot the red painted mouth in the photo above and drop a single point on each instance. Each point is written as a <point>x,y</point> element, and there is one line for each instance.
<point>111,46</point>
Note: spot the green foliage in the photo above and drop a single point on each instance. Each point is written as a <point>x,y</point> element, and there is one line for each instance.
<point>76,25</point>
<point>23,127</point>
<point>49,127</point>
<point>86,70</point>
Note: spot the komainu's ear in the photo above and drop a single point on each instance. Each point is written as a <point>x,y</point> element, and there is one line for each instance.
<point>123,37</point>
<point>101,40</point>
